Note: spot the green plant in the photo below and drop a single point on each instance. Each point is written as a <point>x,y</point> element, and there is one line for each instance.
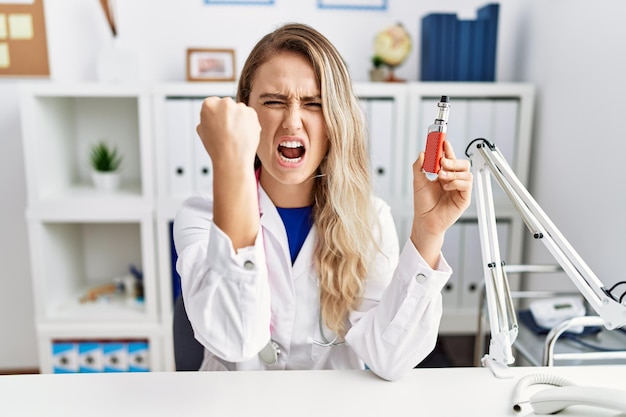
<point>105,158</point>
<point>377,61</point>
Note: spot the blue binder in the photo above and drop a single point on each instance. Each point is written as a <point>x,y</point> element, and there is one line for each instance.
<point>489,14</point>
<point>459,50</point>
<point>431,42</point>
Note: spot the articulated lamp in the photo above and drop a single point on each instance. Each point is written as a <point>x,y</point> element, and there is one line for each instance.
<point>487,160</point>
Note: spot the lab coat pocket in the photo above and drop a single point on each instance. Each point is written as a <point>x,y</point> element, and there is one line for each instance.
<point>402,320</point>
<point>322,343</point>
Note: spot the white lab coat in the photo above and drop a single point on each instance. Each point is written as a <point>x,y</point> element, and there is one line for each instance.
<point>237,301</point>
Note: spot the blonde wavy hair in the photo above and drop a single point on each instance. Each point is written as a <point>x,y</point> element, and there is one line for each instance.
<point>343,209</point>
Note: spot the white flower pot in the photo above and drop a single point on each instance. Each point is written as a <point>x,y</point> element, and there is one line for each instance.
<point>106,181</point>
<point>378,74</point>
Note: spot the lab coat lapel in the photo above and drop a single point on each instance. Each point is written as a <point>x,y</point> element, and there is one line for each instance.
<point>304,262</point>
<point>272,224</point>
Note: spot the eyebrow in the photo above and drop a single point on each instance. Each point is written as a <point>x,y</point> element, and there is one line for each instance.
<point>284,97</point>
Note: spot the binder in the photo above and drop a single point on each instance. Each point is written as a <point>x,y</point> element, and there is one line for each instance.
<point>431,46</point>
<point>473,272</point>
<point>382,146</point>
<point>451,250</point>
<point>64,357</point>
<point>179,132</point>
<point>472,276</point>
<point>428,114</point>
<point>480,118</point>
<point>202,165</point>
<point>457,125</point>
<point>477,68</point>
<point>505,128</point>
<point>449,46</point>
<point>489,15</point>
<point>464,50</point>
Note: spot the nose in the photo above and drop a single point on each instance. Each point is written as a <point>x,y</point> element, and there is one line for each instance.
<point>292,121</point>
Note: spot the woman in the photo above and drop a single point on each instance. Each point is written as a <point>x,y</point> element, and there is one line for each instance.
<point>294,264</point>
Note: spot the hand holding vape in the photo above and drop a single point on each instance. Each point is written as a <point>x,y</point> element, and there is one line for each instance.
<point>435,139</point>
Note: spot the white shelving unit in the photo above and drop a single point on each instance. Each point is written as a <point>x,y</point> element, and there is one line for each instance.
<point>80,238</point>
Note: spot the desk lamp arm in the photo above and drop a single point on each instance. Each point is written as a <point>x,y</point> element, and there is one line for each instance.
<point>486,159</point>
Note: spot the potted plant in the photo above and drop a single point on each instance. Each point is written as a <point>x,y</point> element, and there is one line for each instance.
<point>377,72</point>
<point>105,163</point>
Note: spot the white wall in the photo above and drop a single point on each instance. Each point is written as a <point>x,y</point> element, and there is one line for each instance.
<point>548,43</point>
<point>575,55</point>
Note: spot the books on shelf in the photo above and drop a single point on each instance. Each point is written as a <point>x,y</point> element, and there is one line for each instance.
<point>454,49</point>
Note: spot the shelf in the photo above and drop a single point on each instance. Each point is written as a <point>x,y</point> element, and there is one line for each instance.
<point>71,89</point>
<point>69,258</point>
<point>60,128</point>
<point>106,309</point>
<point>99,208</point>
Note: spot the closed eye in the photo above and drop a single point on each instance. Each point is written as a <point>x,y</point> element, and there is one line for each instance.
<point>273,103</point>
<point>314,104</point>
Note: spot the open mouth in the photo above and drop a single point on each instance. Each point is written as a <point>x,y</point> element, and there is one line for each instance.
<point>291,151</point>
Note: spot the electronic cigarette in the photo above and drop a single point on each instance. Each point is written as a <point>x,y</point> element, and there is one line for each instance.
<point>435,139</point>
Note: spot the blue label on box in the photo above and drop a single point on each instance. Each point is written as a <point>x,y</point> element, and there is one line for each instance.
<point>64,357</point>
<point>90,357</point>
<point>138,357</point>
<point>115,357</point>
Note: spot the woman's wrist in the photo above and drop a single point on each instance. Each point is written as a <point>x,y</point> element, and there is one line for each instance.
<point>235,205</point>
<point>428,245</point>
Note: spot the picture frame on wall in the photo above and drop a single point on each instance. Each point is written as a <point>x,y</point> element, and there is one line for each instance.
<point>210,64</point>
<point>353,4</point>
<point>244,2</point>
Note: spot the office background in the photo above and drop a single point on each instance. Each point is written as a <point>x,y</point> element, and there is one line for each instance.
<point>570,50</point>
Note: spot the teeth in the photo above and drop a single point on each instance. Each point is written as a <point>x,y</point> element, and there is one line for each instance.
<point>291,160</point>
<point>291,144</point>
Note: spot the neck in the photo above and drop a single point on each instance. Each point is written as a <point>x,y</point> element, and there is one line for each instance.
<point>288,195</point>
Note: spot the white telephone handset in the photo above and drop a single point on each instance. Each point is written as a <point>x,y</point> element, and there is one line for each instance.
<point>565,394</point>
<point>553,400</point>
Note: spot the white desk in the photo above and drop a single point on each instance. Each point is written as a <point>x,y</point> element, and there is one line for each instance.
<point>423,392</point>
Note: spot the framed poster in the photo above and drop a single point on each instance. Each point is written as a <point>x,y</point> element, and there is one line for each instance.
<point>205,64</point>
<point>23,43</point>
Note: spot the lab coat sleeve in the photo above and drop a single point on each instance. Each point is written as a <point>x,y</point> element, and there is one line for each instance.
<point>397,323</point>
<point>226,292</point>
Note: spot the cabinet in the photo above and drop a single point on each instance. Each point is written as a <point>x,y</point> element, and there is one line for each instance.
<point>499,112</point>
<point>80,238</point>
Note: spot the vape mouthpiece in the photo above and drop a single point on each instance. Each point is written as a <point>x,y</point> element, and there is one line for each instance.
<point>445,99</point>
